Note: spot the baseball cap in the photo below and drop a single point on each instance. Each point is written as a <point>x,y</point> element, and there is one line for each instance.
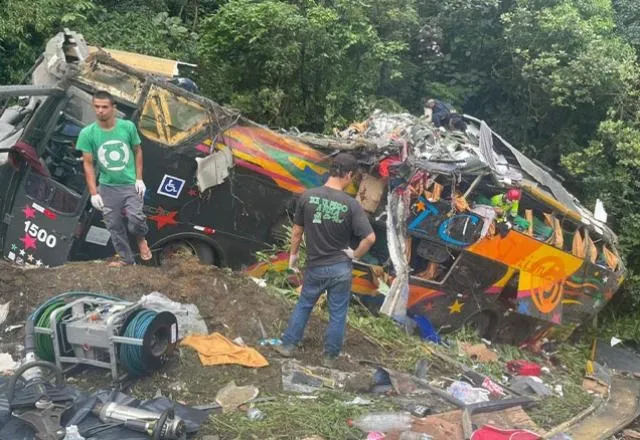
<point>346,162</point>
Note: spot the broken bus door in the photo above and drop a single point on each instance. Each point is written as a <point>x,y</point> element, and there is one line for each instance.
<point>46,207</point>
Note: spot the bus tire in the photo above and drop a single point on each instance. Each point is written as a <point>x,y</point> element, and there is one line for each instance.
<point>483,323</point>
<point>204,252</point>
<point>177,248</point>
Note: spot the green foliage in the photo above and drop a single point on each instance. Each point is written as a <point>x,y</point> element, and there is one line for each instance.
<point>306,65</point>
<point>162,35</point>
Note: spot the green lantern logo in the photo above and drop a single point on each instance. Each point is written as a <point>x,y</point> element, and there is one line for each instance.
<point>114,155</point>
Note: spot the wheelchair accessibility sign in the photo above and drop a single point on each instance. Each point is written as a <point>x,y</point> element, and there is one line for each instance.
<point>171,186</point>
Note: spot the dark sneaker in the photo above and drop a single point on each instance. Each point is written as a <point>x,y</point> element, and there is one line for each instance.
<point>329,361</point>
<point>284,350</point>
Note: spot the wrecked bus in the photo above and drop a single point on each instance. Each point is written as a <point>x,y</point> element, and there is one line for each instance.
<point>222,187</point>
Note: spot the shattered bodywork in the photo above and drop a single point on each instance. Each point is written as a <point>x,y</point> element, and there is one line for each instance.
<point>223,186</point>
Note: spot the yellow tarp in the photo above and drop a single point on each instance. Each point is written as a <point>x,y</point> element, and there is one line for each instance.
<point>215,349</point>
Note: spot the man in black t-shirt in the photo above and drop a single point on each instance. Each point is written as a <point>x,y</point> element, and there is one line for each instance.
<point>329,219</point>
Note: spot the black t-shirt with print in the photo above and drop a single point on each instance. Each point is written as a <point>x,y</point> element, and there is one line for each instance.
<point>331,219</point>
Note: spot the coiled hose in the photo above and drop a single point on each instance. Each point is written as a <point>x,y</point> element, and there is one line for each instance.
<point>131,356</point>
<point>39,312</point>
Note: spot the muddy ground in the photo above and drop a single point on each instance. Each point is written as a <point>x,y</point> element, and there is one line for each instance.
<point>227,301</point>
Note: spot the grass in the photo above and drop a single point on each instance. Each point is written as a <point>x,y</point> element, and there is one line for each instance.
<point>290,417</point>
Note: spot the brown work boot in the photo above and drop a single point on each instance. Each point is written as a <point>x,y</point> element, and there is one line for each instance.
<point>284,350</point>
<point>329,361</point>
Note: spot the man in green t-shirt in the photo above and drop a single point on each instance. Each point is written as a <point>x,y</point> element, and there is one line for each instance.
<point>114,144</point>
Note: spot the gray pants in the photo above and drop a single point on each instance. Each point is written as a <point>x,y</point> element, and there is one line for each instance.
<point>120,202</point>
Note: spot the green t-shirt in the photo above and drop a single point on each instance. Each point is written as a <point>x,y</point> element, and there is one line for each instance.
<point>112,150</point>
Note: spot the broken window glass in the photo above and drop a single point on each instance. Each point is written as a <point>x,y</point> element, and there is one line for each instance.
<point>51,194</point>
<point>170,119</point>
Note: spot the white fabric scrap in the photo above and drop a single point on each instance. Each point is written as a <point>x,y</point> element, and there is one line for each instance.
<point>214,169</point>
<point>7,364</point>
<point>4,311</point>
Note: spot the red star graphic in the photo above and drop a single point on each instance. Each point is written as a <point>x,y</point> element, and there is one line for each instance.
<point>29,212</point>
<point>163,220</point>
<point>29,242</point>
<point>193,192</point>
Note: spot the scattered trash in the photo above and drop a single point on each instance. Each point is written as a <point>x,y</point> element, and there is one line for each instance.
<point>599,372</point>
<point>71,433</point>
<point>188,315</point>
<point>422,368</point>
<point>254,414</point>
<point>239,341</point>
<point>479,352</point>
<point>375,436</point>
<point>359,401</point>
<point>426,329</point>
<point>232,396</point>
<point>467,393</point>
<point>215,349</point>
<point>561,436</point>
<point>4,311</point>
<point>524,368</point>
<point>488,432</point>
<point>11,328</point>
<point>558,390</point>
<point>630,434</point>
<point>7,364</point>
<point>298,378</point>
<point>307,397</point>
<point>382,422</point>
<point>265,340</point>
<point>530,385</point>
<point>259,281</point>
<point>593,385</point>
<point>410,435</point>
<point>492,387</point>
<point>269,342</point>
<point>615,341</point>
<point>419,410</point>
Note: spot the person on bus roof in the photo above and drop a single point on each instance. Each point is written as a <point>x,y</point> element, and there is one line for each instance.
<point>114,144</point>
<point>329,219</point>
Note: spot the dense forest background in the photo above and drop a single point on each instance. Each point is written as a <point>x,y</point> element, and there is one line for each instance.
<point>559,78</point>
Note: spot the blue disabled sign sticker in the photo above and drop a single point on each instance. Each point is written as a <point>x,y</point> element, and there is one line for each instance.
<point>171,186</point>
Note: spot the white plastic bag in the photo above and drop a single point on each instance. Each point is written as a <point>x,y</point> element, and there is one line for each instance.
<point>188,315</point>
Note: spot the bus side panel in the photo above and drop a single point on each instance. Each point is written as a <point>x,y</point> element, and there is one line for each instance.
<point>543,271</point>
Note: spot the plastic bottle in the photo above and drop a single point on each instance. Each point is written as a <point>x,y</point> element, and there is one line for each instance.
<point>410,435</point>
<point>72,433</point>
<point>254,414</point>
<point>383,422</point>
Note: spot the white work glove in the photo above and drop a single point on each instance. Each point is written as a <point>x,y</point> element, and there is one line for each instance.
<point>96,202</point>
<point>293,262</point>
<point>140,187</point>
<point>349,253</point>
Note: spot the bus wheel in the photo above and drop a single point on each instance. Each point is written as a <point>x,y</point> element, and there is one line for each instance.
<point>181,248</point>
<point>483,323</point>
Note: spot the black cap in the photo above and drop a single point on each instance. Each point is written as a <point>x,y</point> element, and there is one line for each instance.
<point>346,162</point>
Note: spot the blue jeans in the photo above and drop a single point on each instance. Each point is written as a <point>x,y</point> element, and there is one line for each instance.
<point>335,279</point>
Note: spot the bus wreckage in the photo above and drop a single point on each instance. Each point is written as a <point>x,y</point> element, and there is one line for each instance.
<point>222,187</point>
